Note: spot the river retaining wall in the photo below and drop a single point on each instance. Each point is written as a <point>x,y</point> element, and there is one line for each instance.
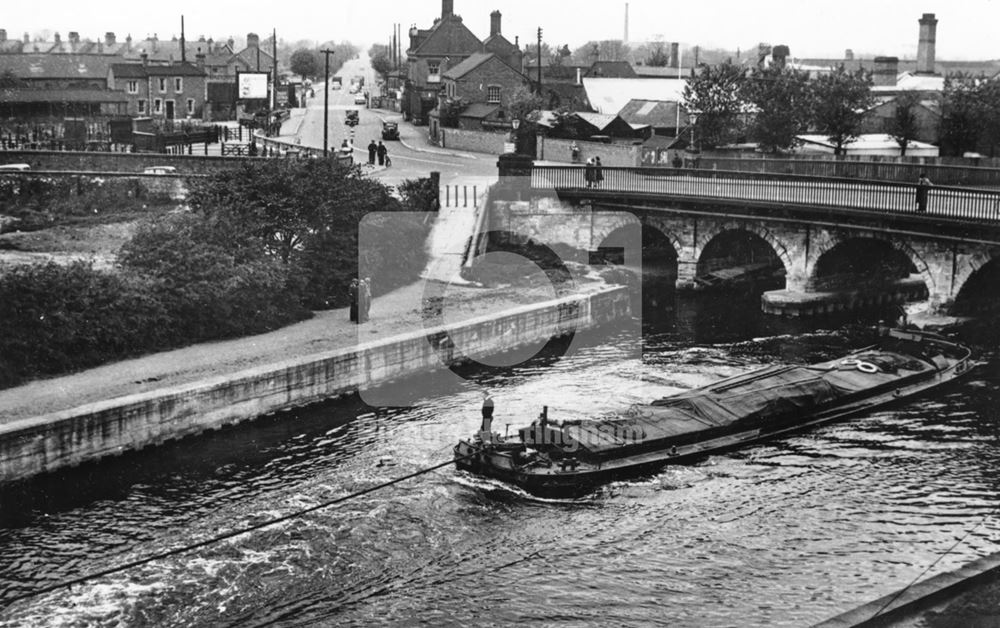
<point>63,439</point>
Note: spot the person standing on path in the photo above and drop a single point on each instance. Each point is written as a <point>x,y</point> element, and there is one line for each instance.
<point>353,292</point>
<point>368,297</point>
<point>371,153</point>
<point>381,150</point>
<point>588,171</point>
<point>486,427</point>
<point>598,172</point>
<point>923,184</point>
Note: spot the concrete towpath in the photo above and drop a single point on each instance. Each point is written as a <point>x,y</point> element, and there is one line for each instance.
<point>397,312</point>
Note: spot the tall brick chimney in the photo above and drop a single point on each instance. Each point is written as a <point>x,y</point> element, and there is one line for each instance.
<point>674,54</point>
<point>109,39</point>
<point>74,37</point>
<point>3,34</point>
<point>494,24</point>
<point>928,40</point>
<point>253,40</point>
<point>447,8</point>
<point>58,38</point>
<point>886,69</point>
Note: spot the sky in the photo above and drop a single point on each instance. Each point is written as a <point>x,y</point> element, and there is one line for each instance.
<point>966,28</point>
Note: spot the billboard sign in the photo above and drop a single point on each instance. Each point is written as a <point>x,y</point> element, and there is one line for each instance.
<point>252,85</point>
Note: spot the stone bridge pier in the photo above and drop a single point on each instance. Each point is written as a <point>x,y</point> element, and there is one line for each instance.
<point>826,266</point>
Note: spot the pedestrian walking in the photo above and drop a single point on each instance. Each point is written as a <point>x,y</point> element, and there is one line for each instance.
<point>923,185</point>
<point>353,292</point>
<point>598,172</point>
<point>588,172</point>
<point>372,148</point>
<point>381,151</point>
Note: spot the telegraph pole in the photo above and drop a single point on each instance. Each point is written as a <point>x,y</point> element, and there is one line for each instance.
<point>326,103</point>
<point>539,60</point>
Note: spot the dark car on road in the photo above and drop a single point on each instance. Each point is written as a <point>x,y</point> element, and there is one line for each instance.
<point>351,118</point>
<point>390,131</point>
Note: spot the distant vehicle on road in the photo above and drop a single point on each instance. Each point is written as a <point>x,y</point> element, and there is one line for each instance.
<point>335,82</point>
<point>359,99</point>
<point>390,131</point>
<point>15,167</point>
<point>159,170</point>
<point>351,119</point>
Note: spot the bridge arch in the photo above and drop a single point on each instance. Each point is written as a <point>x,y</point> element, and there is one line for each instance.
<point>878,270</point>
<point>752,249</point>
<point>977,286</point>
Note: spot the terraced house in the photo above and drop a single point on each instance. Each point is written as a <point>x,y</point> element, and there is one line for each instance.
<point>167,92</point>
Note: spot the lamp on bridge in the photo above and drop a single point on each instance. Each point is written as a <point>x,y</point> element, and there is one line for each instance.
<point>510,146</point>
<point>692,122</point>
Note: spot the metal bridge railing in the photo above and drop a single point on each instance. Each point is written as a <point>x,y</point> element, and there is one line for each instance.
<point>957,203</point>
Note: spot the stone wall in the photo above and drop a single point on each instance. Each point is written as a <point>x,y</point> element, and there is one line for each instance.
<point>119,162</point>
<point>550,149</point>
<point>473,141</point>
<point>46,443</point>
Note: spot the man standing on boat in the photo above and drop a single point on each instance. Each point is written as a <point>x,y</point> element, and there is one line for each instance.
<point>486,428</point>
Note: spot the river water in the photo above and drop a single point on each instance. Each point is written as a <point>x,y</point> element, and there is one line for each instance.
<point>782,534</point>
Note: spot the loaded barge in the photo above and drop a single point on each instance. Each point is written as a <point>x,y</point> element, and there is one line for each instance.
<point>570,458</point>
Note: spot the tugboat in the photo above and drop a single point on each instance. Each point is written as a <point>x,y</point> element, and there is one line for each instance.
<point>571,458</point>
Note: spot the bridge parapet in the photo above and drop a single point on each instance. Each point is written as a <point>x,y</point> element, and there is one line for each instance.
<point>887,198</point>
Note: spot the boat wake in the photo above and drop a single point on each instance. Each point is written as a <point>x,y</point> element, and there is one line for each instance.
<point>490,484</point>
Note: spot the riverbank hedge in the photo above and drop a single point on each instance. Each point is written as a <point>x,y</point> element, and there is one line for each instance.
<point>253,256</point>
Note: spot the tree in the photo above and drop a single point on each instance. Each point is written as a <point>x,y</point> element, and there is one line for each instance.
<point>381,65</point>
<point>715,96</point>
<point>10,80</point>
<point>903,126</point>
<point>449,109</point>
<point>960,114</point>
<point>304,63</point>
<point>658,56</point>
<point>779,96</point>
<point>839,101</point>
<point>525,106</point>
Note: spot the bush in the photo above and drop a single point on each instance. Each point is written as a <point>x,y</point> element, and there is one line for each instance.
<point>62,318</point>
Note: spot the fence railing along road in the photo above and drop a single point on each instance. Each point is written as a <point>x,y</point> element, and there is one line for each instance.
<point>887,197</point>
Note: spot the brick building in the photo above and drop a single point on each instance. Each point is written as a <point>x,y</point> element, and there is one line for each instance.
<point>166,92</point>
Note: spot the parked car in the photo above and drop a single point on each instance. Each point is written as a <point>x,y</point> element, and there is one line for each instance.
<point>159,170</point>
<point>390,131</point>
<point>15,167</point>
<point>359,99</point>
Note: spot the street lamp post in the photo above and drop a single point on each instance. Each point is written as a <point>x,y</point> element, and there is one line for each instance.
<point>326,103</point>
<point>510,146</point>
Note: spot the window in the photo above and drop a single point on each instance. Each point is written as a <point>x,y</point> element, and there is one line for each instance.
<point>190,106</point>
<point>133,87</point>
<point>163,84</point>
<point>433,72</point>
<point>493,94</point>
<point>157,106</point>
<point>142,105</point>
<point>178,84</point>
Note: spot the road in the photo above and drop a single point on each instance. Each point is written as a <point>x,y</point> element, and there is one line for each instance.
<point>412,157</point>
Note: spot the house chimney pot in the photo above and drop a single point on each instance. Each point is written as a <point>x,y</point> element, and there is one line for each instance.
<point>109,39</point>
<point>886,69</point>
<point>3,34</point>
<point>58,39</point>
<point>27,38</point>
<point>494,23</point>
<point>447,8</point>
<point>74,37</point>
<point>253,40</point>
<point>927,43</point>
<point>848,55</point>
<point>144,57</point>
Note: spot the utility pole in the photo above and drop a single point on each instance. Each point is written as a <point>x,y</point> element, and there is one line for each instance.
<point>326,104</point>
<point>274,53</point>
<point>539,60</point>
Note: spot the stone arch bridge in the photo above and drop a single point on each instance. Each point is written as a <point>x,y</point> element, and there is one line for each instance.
<point>838,244</point>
